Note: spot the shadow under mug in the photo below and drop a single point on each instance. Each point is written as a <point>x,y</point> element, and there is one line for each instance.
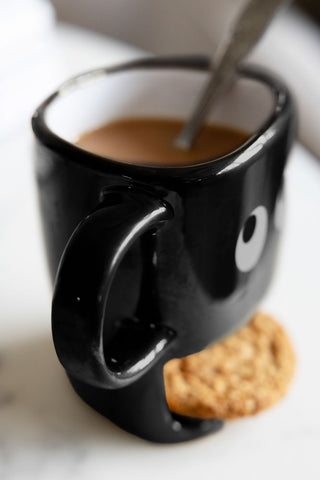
<point>156,262</point>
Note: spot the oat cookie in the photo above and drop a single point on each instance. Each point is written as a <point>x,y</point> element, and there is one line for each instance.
<point>242,375</point>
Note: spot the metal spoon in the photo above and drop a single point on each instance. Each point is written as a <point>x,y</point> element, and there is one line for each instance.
<point>248,28</point>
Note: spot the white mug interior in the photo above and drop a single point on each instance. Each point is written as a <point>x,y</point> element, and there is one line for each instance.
<point>92,100</point>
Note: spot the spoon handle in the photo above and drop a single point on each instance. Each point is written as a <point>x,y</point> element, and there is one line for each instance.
<point>250,25</point>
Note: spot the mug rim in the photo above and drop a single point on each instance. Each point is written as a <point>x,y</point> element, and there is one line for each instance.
<point>242,155</point>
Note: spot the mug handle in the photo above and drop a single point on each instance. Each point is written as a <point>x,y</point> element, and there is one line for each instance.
<point>84,278</point>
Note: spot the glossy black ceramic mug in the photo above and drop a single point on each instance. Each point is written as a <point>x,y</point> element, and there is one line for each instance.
<point>152,263</point>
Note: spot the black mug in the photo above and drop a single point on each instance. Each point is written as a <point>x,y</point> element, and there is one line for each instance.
<point>155,262</point>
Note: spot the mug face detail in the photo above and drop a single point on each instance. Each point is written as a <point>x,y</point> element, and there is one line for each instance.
<point>252,239</point>
<point>155,262</point>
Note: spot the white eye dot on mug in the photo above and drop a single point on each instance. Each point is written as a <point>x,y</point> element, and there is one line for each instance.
<point>251,239</point>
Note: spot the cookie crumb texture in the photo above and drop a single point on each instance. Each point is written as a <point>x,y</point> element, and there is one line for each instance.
<point>242,375</point>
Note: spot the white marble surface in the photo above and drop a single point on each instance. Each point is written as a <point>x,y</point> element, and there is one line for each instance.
<point>47,432</point>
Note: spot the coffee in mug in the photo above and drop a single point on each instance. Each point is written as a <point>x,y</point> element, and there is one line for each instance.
<point>151,141</point>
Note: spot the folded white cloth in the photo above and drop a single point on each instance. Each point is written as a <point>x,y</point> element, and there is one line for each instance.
<point>29,61</point>
<point>291,48</point>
